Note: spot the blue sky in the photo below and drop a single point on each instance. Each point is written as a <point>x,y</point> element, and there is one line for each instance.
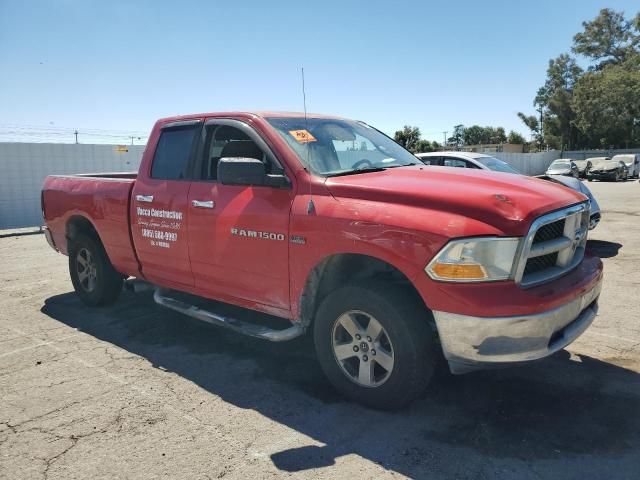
<point>119,65</point>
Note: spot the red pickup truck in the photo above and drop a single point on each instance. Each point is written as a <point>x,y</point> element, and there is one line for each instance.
<point>330,224</point>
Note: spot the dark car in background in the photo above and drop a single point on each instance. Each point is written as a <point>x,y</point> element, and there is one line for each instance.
<point>632,161</point>
<point>605,168</point>
<point>583,167</point>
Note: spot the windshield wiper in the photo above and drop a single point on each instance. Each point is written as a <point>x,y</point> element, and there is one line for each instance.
<point>355,172</point>
<point>403,165</point>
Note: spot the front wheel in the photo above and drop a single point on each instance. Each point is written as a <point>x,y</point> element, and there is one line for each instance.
<point>94,279</point>
<point>375,344</point>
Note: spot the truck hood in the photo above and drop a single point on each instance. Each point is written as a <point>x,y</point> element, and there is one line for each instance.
<point>507,202</point>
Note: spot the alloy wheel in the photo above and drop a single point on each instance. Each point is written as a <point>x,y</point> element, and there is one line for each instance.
<point>362,348</point>
<point>86,268</point>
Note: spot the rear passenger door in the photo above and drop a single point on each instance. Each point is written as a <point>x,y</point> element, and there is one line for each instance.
<point>159,209</point>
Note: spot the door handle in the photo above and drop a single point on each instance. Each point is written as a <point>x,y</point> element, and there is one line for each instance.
<point>144,198</point>
<point>203,203</point>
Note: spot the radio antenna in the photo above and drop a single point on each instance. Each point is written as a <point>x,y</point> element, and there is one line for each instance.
<point>310,204</point>
<point>304,98</point>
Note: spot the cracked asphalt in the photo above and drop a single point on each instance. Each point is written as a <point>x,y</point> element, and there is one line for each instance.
<point>135,391</point>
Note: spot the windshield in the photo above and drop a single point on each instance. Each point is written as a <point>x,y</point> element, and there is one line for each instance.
<point>627,159</point>
<point>337,147</point>
<point>604,162</point>
<point>496,165</point>
<point>560,164</point>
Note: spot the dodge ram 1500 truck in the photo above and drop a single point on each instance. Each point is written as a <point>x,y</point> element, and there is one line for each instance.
<point>331,225</point>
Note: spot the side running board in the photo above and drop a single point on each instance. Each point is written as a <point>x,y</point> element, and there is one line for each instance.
<point>246,328</point>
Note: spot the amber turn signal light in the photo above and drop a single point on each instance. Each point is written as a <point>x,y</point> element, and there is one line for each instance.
<point>456,271</point>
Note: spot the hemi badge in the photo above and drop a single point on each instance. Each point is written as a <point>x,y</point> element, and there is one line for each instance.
<point>300,240</point>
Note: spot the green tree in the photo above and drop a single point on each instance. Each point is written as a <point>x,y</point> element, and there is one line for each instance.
<point>475,135</point>
<point>498,135</point>
<point>457,139</point>
<point>408,137</point>
<point>554,98</point>
<point>608,39</point>
<point>596,115</point>
<point>532,123</point>
<point>423,146</point>
<point>607,106</point>
<point>516,138</point>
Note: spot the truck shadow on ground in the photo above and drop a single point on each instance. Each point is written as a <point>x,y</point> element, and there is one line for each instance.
<point>551,410</point>
<point>602,248</point>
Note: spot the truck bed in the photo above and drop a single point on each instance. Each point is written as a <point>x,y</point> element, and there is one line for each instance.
<point>104,199</point>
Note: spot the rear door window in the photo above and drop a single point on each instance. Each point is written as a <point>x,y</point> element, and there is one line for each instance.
<point>431,160</point>
<point>171,160</point>
<point>454,162</point>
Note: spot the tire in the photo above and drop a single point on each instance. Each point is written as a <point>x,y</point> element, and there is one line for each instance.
<point>406,335</point>
<point>94,279</point>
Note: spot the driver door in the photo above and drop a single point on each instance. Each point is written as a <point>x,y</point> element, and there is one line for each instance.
<point>240,245</point>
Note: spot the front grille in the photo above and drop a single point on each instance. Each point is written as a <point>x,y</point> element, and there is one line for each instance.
<point>549,231</point>
<point>554,245</point>
<point>536,264</point>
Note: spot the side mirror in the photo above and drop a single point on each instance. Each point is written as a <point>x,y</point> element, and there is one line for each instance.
<point>247,171</point>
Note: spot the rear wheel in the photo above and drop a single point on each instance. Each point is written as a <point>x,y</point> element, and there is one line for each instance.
<point>94,279</point>
<point>375,345</point>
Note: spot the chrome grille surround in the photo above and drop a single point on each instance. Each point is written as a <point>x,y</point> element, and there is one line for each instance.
<point>568,246</point>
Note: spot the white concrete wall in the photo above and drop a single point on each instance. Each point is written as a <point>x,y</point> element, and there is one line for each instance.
<point>529,163</point>
<point>24,166</point>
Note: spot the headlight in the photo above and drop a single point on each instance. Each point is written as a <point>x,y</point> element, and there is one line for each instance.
<point>474,260</point>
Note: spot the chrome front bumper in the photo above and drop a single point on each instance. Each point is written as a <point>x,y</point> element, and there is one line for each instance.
<point>471,343</point>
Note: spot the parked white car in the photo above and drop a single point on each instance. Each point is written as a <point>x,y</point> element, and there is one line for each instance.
<point>632,161</point>
<point>487,162</point>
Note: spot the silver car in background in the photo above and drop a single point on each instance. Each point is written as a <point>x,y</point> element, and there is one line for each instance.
<point>487,162</point>
<point>563,166</point>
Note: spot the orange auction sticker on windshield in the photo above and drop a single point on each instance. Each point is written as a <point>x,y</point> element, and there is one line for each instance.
<point>302,136</point>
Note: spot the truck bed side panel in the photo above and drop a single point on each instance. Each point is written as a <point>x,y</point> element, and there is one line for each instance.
<point>102,201</point>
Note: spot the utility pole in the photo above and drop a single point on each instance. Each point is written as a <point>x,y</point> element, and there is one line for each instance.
<point>541,129</point>
<point>444,144</point>
<point>76,134</point>
<point>132,137</point>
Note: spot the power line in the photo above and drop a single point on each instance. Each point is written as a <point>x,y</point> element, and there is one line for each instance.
<point>68,129</point>
<point>54,134</point>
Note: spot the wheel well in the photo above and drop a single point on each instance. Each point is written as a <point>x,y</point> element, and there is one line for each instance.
<point>338,270</point>
<point>80,225</point>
